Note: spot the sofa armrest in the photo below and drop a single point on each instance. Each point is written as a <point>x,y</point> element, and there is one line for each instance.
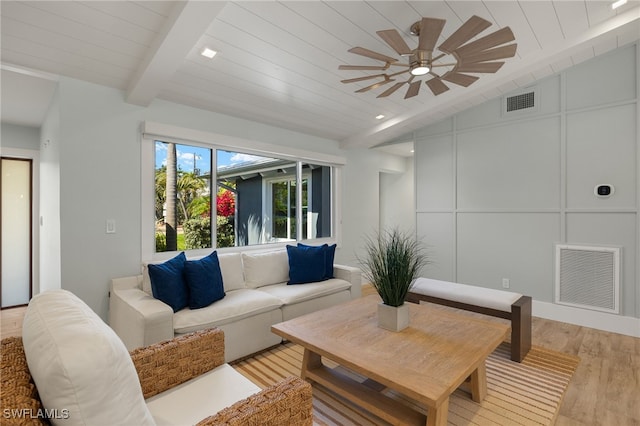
<point>287,403</point>
<point>167,364</point>
<point>351,274</point>
<point>138,318</point>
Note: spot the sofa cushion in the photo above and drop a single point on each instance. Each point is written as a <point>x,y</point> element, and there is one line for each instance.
<point>201,397</point>
<point>290,294</point>
<point>204,279</point>
<point>306,264</point>
<point>231,267</point>
<point>79,364</point>
<point>236,305</point>
<point>330,254</point>
<point>265,268</point>
<point>167,282</point>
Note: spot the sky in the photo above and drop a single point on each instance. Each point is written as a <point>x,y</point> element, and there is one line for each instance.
<point>185,156</point>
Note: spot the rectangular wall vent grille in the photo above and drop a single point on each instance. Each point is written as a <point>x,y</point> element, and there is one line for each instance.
<point>588,277</point>
<point>523,101</point>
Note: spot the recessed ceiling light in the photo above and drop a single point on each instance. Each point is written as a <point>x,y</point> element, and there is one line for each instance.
<point>379,117</point>
<point>208,53</point>
<point>617,4</point>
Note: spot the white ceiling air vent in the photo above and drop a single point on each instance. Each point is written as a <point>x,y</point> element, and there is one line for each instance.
<point>588,277</point>
<point>520,103</point>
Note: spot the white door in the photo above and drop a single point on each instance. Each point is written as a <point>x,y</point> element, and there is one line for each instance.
<point>15,229</point>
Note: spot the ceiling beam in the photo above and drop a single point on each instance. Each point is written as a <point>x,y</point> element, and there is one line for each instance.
<point>184,28</point>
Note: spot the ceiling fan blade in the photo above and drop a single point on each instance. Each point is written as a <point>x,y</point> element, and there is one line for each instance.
<point>474,26</point>
<point>502,36</point>
<point>488,67</point>
<point>437,86</point>
<point>390,90</point>
<point>395,40</point>
<point>362,67</point>
<point>507,51</point>
<point>374,86</point>
<point>371,54</point>
<point>459,79</point>
<point>430,29</point>
<point>366,77</point>
<point>414,88</point>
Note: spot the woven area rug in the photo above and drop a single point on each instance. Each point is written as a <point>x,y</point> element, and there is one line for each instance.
<point>527,393</point>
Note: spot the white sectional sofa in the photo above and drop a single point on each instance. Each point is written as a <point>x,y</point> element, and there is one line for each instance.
<point>256,297</point>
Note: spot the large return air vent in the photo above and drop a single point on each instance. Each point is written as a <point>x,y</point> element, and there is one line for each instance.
<point>523,101</point>
<point>588,277</point>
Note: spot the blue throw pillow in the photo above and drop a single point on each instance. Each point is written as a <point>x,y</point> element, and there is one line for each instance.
<point>306,264</point>
<point>167,283</point>
<point>204,280</point>
<point>330,254</point>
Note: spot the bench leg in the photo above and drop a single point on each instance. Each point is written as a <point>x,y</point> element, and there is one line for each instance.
<point>520,328</point>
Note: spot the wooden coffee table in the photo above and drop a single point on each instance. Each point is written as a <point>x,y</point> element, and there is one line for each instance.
<point>426,362</point>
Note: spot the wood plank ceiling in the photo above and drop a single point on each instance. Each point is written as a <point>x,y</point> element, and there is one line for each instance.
<point>277,62</point>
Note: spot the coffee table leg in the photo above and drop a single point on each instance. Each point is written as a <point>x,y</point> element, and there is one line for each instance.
<point>310,360</point>
<point>438,416</point>
<point>479,383</point>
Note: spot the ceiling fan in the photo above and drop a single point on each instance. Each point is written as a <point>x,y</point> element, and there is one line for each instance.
<point>458,56</point>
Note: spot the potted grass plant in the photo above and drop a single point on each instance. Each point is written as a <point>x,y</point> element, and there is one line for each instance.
<point>393,261</point>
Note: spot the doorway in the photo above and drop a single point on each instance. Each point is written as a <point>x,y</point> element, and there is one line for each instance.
<point>16,231</point>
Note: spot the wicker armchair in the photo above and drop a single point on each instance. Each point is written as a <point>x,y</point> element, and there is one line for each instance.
<point>160,367</point>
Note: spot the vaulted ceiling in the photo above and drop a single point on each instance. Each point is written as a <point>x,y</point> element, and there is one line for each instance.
<point>277,62</point>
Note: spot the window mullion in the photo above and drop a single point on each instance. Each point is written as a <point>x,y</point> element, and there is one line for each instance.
<point>298,201</point>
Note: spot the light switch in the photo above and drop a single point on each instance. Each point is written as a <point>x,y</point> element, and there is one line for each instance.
<point>111,226</point>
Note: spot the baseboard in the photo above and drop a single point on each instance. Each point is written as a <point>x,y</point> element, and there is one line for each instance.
<point>599,320</point>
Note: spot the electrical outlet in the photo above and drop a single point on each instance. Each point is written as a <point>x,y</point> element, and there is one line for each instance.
<point>505,283</point>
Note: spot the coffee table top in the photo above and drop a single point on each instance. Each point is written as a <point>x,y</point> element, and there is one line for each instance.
<point>426,361</point>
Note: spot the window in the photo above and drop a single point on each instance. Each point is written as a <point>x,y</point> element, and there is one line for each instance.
<point>182,197</point>
<point>258,199</point>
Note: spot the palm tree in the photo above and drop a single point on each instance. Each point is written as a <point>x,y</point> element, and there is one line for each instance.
<point>171,220</point>
<point>189,187</point>
<point>161,185</point>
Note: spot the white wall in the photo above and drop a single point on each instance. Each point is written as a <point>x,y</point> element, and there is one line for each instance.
<point>16,136</point>
<point>50,143</point>
<point>397,199</point>
<point>361,201</point>
<point>496,192</point>
<point>98,147</point>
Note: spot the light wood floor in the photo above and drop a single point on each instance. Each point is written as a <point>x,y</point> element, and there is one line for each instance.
<point>605,389</point>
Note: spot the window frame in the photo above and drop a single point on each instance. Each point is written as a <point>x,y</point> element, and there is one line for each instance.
<point>152,131</point>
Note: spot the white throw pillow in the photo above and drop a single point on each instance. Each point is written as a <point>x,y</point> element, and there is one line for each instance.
<point>231,267</point>
<point>265,268</point>
<point>82,370</point>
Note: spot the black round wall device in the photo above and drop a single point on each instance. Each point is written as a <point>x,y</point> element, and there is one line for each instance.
<point>603,190</point>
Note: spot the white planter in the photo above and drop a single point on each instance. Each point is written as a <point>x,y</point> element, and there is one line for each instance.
<point>393,318</point>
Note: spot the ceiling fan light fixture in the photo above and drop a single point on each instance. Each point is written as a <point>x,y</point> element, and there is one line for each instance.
<point>420,69</point>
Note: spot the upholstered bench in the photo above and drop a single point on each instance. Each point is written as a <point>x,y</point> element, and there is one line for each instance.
<point>497,303</point>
